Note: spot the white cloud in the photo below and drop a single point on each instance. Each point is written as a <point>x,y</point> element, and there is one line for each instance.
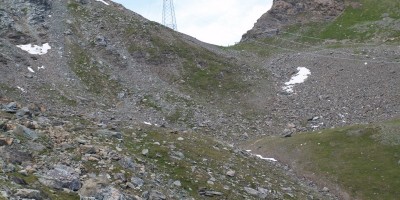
<point>218,22</point>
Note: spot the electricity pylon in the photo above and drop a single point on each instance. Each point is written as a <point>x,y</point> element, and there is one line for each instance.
<point>168,17</point>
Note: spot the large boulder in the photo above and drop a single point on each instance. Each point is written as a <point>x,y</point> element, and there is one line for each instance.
<point>99,188</point>
<point>60,177</point>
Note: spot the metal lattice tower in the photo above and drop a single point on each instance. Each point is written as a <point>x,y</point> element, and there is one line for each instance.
<point>168,17</point>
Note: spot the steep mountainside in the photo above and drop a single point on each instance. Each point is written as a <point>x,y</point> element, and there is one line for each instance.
<point>97,102</point>
<point>289,12</point>
<point>108,58</point>
<point>100,103</point>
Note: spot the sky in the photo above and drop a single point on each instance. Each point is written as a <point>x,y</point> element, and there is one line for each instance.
<point>220,22</point>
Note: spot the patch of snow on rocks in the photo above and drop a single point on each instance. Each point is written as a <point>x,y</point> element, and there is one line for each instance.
<point>22,89</point>
<point>268,159</point>
<point>35,49</point>
<point>300,77</point>
<point>147,123</point>
<point>31,70</point>
<point>263,158</point>
<point>102,1</point>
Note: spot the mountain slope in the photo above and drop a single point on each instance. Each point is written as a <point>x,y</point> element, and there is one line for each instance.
<point>353,60</point>
<point>361,159</point>
<point>98,102</point>
<point>109,57</point>
<point>109,105</point>
<point>364,20</point>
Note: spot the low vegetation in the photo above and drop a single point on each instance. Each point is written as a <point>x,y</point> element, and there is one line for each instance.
<point>87,70</point>
<point>361,21</point>
<point>364,160</point>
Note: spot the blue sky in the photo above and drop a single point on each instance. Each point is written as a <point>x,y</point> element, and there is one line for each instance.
<point>221,22</point>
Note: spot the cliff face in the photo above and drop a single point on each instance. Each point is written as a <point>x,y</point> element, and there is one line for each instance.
<point>288,12</point>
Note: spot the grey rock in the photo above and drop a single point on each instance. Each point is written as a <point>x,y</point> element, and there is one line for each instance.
<point>22,112</point>
<point>84,1</point>
<point>120,176</point>
<point>130,185</point>
<point>11,107</point>
<point>231,173</point>
<point>18,180</point>
<point>101,40</point>
<point>93,186</point>
<point>251,191</point>
<point>177,183</point>
<point>61,177</point>
<point>127,163</point>
<point>7,168</point>
<point>325,189</point>
<point>28,194</point>
<point>145,152</point>
<point>110,193</point>
<point>178,155</point>
<point>121,95</point>
<point>263,193</point>
<point>18,157</point>
<point>153,195</point>
<point>209,193</point>
<point>137,182</point>
<point>28,133</point>
<point>108,134</point>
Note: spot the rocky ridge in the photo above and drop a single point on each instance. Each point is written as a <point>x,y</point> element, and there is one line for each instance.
<point>289,12</point>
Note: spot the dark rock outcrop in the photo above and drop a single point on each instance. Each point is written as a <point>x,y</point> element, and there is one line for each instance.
<point>289,12</point>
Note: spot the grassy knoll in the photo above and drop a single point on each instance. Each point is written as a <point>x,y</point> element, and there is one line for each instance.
<point>363,160</point>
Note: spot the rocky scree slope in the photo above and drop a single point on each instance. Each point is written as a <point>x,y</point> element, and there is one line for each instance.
<point>121,92</point>
<point>45,156</point>
<point>353,68</point>
<point>109,63</point>
<point>289,12</point>
<point>352,60</point>
<point>120,108</point>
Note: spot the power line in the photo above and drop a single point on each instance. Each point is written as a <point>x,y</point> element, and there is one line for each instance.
<point>168,15</point>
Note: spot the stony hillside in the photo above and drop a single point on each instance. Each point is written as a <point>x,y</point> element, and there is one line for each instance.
<point>97,102</point>
<point>104,58</point>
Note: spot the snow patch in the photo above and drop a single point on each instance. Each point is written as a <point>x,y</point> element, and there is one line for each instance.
<point>22,89</point>
<point>35,49</point>
<point>31,70</point>
<point>102,1</point>
<point>300,77</point>
<point>263,158</point>
<point>268,159</point>
<point>147,123</point>
<point>42,67</point>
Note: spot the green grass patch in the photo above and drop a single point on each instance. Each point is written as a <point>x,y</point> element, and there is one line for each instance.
<point>355,158</point>
<point>11,92</point>
<point>204,71</point>
<point>203,157</point>
<point>55,95</point>
<point>254,47</point>
<point>357,23</point>
<point>88,72</point>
